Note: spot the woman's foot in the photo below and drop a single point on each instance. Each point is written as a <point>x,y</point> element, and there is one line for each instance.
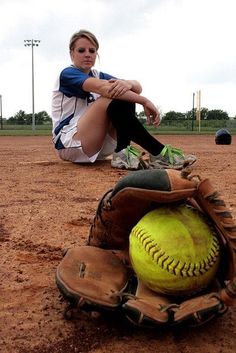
<point>171,158</point>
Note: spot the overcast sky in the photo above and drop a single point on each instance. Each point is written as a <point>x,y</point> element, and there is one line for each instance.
<point>172,47</point>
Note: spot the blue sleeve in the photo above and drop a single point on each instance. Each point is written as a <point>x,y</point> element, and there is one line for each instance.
<point>72,79</point>
<point>104,76</point>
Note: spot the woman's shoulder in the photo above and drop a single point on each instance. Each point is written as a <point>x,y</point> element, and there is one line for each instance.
<point>72,73</point>
<point>72,70</point>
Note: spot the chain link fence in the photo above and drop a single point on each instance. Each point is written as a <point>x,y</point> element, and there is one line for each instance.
<point>166,126</point>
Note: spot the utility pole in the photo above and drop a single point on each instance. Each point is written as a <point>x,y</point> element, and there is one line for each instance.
<point>1,111</point>
<point>193,110</point>
<point>32,43</point>
<point>199,110</point>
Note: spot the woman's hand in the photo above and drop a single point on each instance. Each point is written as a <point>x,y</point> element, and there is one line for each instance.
<point>152,113</point>
<point>118,87</point>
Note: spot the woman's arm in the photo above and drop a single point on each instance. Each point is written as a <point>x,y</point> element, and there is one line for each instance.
<point>133,85</point>
<point>112,88</point>
<point>103,87</point>
<point>97,85</point>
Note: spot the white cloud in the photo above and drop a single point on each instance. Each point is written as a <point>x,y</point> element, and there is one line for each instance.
<point>173,47</point>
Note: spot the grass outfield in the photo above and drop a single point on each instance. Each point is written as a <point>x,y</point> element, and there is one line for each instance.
<point>45,130</point>
<point>23,132</point>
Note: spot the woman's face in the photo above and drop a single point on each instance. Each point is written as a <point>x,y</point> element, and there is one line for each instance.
<point>84,54</point>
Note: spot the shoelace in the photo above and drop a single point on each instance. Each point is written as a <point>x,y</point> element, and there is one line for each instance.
<point>132,150</point>
<point>170,152</point>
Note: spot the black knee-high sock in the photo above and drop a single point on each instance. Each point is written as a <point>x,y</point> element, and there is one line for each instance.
<point>117,112</point>
<point>129,128</point>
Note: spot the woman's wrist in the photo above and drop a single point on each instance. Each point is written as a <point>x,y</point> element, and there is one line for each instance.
<point>135,86</point>
<point>142,100</point>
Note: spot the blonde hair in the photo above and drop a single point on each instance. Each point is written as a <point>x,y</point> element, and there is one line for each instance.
<point>83,33</point>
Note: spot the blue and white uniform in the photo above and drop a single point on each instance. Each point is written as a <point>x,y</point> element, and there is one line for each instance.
<point>69,102</point>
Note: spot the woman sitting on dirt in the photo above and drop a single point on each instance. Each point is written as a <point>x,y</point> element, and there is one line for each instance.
<point>94,115</point>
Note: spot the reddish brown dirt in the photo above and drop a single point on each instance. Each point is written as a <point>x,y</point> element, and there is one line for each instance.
<point>47,205</point>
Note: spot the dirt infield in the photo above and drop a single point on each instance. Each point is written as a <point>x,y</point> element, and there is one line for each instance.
<point>47,205</point>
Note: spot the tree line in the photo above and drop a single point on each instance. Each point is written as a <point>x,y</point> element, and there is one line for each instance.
<point>215,114</point>
<point>21,118</point>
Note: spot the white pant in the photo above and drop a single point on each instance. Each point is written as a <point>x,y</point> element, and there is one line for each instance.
<point>76,154</point>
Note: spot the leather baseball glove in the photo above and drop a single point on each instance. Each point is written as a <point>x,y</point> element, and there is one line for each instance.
<point>100,277</point>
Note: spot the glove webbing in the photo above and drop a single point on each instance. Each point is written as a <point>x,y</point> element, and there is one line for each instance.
<point>212,203</point>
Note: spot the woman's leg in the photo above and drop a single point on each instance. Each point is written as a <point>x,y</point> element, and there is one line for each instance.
<point>93,126</point>
<point>129,128</point>
<point>99,119</point>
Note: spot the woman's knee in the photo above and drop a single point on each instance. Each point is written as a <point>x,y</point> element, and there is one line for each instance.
<point>117,107</point>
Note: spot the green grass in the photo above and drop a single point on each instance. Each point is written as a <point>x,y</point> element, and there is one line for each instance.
<point>26,130</point>
<point>45,130</point>
<point>184,132</point>
<point>24,133</point>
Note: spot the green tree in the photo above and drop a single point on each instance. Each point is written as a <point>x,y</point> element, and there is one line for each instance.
<point>22,118</point>
<point>28,119</point>
<point>204,112</point>
<point>42,118</point>
<point>217,114</point>
<point>11,120</point>
<point>18,118</point>
<point>172,115</point>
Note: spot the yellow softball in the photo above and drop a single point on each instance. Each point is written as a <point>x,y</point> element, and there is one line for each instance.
<point>174,251</point>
